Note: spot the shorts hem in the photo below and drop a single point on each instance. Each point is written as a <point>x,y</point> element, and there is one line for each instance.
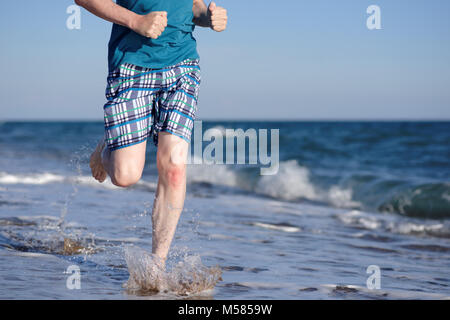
<point>176,134</point>
<point>126,145</point>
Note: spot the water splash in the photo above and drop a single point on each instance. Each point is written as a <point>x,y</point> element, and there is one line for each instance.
<point>148,275</point>
<point>79,157</point>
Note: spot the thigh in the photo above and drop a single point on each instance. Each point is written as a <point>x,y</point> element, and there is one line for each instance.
<point>171,149</point>
<point>176,108</point>
<point>128,114</point>
<point>131,158</point>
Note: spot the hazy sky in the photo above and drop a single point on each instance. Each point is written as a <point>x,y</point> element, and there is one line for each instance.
<point>290,59</point>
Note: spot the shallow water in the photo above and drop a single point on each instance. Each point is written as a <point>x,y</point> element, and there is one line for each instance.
<point>54,215</point>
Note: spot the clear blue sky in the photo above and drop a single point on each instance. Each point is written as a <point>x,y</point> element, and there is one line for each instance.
<point>290,59</point>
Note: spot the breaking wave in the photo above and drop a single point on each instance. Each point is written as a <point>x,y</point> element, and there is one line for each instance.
<point>291,183</point>
<point>425,201</point>
<point>294,183</point>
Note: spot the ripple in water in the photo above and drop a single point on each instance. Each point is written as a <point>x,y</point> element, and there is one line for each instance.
<point>44,235</point>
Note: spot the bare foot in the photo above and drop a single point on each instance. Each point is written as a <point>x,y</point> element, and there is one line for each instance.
<point>98,171</point>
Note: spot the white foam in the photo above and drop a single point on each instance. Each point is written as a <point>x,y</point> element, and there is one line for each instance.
<point>47,178</point>
<point>341,198</point>
<point>216,174</point>
<point>46,217</point>
<point>36,178</point>
<point>35,255</point>
<point>408,228</point>
<point>90,181</point>
<point>290,183</point>
<point>277,227</point>
<point>125,239</point>
<point>356,217</point>
<point>265,285</point>
<point>392,223</point>
<point>148,184</point>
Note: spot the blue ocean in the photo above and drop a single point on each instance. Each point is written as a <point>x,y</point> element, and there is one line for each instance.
<point>347,195</point>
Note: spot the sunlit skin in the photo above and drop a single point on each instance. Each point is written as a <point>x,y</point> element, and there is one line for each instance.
<point>124,166</point>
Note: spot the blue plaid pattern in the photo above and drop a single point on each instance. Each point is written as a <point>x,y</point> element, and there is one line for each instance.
<point>143,102</point>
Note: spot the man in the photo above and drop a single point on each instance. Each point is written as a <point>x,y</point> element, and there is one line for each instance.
<point>152,92</point>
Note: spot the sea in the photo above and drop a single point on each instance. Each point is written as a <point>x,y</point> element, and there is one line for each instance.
<point>356,210</point>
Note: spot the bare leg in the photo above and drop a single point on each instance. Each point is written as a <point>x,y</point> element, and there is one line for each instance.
<point>170,193</point>
<point>124,166</point>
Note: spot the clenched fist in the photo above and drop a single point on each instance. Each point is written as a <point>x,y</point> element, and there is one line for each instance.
<point>150,25</point>
<point>217,17</point>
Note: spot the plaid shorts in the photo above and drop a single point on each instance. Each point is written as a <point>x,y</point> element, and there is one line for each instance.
<point>143,102</point>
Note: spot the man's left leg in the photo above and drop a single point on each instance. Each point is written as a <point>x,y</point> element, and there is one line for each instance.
<point>170,194</point>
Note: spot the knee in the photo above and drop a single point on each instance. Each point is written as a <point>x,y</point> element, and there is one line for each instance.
<point>172,173</point>
<point>126,176</point>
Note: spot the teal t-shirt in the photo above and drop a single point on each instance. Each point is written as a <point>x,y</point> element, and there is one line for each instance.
<point>174,45</point>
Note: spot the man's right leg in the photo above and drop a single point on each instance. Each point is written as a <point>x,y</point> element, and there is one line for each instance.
<point>124,166</point>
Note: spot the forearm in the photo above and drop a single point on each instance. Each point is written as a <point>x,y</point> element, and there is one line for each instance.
<point>200,11</point>
<point>109,11</point>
